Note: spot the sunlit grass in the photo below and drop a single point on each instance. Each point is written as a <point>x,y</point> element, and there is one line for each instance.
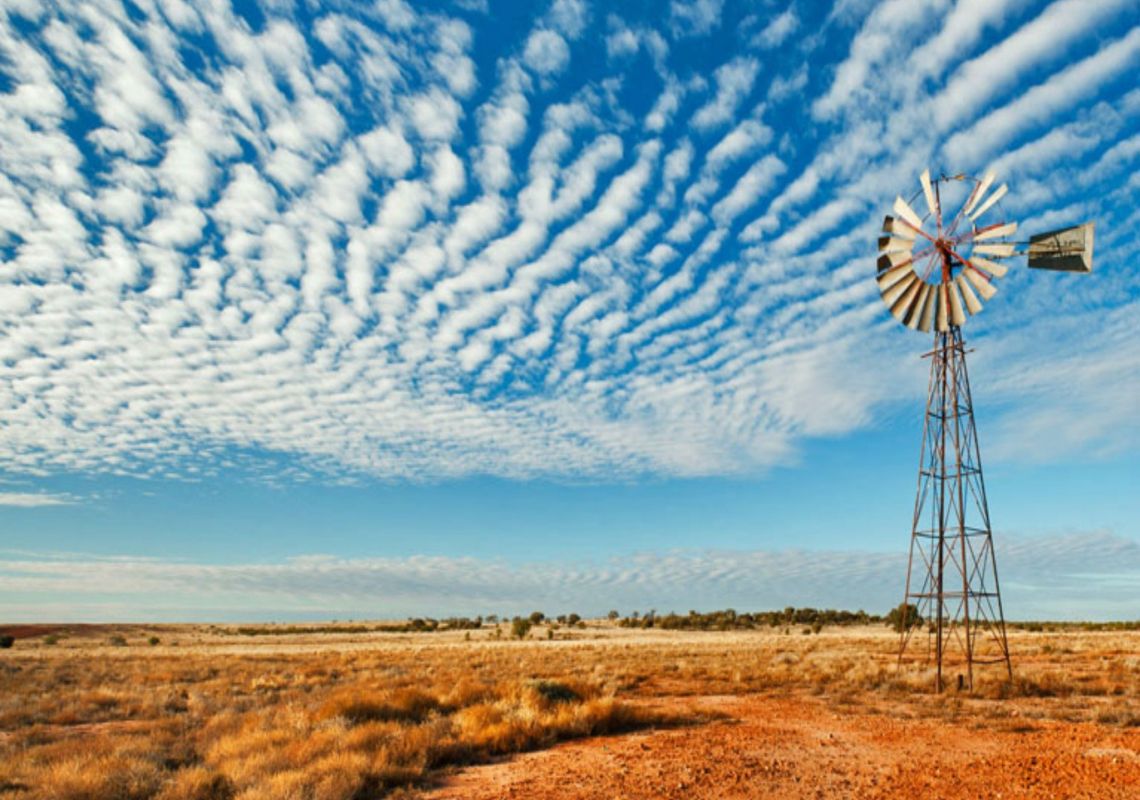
<point>212,716</point>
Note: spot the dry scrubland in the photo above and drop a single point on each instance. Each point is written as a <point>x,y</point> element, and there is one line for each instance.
<point>209,713</point>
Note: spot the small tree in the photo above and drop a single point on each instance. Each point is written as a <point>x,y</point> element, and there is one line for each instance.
<point>613,615</point>
<point>536,617</point>
<point>520,627</point>
<point>904,616</point>
<point>572,619</point>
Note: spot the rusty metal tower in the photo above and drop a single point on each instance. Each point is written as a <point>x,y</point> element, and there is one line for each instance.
<point>929,278</point>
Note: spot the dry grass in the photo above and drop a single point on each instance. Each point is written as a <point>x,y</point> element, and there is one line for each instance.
<point>210,716</point>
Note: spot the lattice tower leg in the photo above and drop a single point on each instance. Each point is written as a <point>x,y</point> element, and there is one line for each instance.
<point>952,575</point>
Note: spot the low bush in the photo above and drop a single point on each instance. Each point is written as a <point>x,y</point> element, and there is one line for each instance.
<point>520,627</point>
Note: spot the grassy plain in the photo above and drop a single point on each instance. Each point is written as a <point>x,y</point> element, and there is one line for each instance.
<point>207,712</point>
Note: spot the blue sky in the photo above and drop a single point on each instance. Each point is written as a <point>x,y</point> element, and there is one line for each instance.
<point>362,310</point>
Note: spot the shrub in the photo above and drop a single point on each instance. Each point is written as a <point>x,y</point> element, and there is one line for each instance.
<point>555,692</point>
<point>536,617</point>
<point>153,641</point>
<point>52,638</point>
<point>904,615</point>
<point>117,641</point>
<point>520,627</point>
<point>7,641</point>
<point>401,705</point>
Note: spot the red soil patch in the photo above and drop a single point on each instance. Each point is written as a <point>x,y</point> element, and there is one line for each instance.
<point>800,747</point>
<point>30,631</point>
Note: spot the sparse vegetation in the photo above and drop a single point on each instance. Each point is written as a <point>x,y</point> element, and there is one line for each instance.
<point>230,716</point>
<point>337,726</point>
<point>904,616</point>
<point>729,619</point>
<point>520,627</point>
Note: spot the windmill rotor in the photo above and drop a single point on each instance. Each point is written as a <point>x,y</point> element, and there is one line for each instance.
<point>935,270</point>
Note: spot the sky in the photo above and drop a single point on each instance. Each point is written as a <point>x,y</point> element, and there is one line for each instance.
<point>346,310</point>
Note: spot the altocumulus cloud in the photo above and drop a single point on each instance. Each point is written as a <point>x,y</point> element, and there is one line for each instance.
<point>364,241</point>
<point>1094,570</point>
<point>34,499</point>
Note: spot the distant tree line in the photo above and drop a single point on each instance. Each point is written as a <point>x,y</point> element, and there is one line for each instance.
<point>730,619</point>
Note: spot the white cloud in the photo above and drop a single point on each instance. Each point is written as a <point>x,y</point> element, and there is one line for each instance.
<point>1043,38</point>
<point>34,500</point>
<point>694,17</point>
<point>1043,576</point>
<point>546,52</point>
<point>740,141</point>
<point>1064,90</point>
<point>569,16</point>
<point>757,181</point>
<point>884,33</point>
<point>622,42</point>
<point>733,83</point>
<point>779,29</point>
<point>374,257</point>
<point>435,114</point>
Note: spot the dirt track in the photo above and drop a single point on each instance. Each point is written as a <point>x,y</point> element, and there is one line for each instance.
<point>798,747</point>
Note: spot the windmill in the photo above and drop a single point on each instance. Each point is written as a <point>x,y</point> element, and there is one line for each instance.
<point>932,272</point>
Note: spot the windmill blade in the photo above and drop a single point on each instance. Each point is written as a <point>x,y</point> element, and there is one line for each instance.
<point>892,276</point>
<point>998,195</point>
<point>957,313</point>
<point>979,190</point>
<point>942,315</point>
<point>918,308</point>
<point>890,244</point>
<point>986,289</point>
<point>907,214</point>
<point>928,190</point>
<point>899,289</point>
<point>996,231</point>
<point>992,267</point>
<point>892,260</point>
<point>902,307</point>
<point>927,318</point>
<point>973,305</point>
<point>898,228</point>
<point>996,249</point>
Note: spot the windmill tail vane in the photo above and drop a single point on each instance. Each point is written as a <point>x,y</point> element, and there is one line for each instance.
<point>933,272</point>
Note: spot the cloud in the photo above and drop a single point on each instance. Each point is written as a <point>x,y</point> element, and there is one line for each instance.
<point>1043,38</point>
<point>733,83</point>
<point>546,52</point>
<point>778,30</point>
<point>402,245</point>
<point>34,500</point>
<point>1067,88</point>
<point>1044,576</point>
<point>694,17</point>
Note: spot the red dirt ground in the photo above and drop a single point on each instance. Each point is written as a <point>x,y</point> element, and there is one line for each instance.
<point>30,631</point>
<point>799,747</point>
